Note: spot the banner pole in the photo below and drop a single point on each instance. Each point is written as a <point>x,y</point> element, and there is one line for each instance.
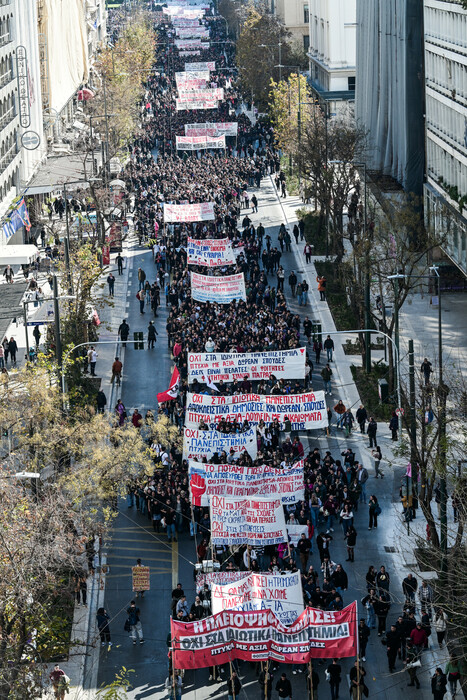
<point>310,671</point>
<point>266,679</point>
<point>231,680</point>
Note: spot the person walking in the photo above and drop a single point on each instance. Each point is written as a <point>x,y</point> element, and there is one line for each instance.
<point>394,425</point>
<point>284,687</point>
<point>141,278</point>
<point>393,643</point>
<point>233,686</point>
<point>339,410</point>
<point>138,565</point>
<point>124,332</point>
<point>59,682</point>
<point>13,349</point>
<point>103,620</point>
<point>371,432</point>
<point>308,251</point>
<point>329,347</point>
<point>116,370</point>
<point>351,537</point>
<point>101,401</point>
<point>321,287</point>
<point>37,336</point>
<point>92,359</point>
<point>136,628</point>
<point>265,680</point>
<point>140,295</point>
<point>412,662</point>
<point>381,606</point>
<point>440,625</point>
<point>438,684</point>
<point>377,456</point>
<point>119,264</point>
<point>151,335</point>
<point>111,283</point>
<point>452,671</point>
<point>293,282</point>
<point>334,671</point>
<point>326,374</point>
<point>426,369</point>
<point>317,348</point>
<point>8,274</point>
<point>363,637</point>
<point>357,681</point>
<point>304,548</point>
<point>361,416</point>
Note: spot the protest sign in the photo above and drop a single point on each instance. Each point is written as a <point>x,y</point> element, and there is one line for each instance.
<point>260,636</point>
<point>239,481</point>
<point>283,364</point>
<point>211,129</point>
<point>205,443</point>
<point>256,521</point>
<point>188,44</point>
<point>295,533</point>
<point>221,290</point>
<point>192,31</point>
<point>305,411</point>
<point>281,593</point>
<point>191,84</point>
<point>141,578</point>
<point>193,104</point>
<point>219,577</point>
<point>206,95</point>
<point>198,143</point>
<point>207,65</point>
<point>189,212</point>
<point>210,252</point>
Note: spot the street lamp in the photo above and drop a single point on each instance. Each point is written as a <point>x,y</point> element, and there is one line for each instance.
<point>273,46</point>
<point>398,276</point>
<point>299,117</point>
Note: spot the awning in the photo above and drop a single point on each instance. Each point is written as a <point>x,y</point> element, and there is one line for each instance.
<point>40,189</point>
<point>18,254</point>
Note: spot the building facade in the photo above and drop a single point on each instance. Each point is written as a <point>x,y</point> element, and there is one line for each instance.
<point>295,16</point>
<point>389,91</point>
<point>445,188</point>
<point>332,49</point>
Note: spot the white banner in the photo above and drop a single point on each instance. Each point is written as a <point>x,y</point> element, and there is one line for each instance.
<point>192,52</point>
<point>201,95</point>
<point>256,521</point>
<point>305,411</point>
<point>199,143</point>
<point>183,21</point>
<point>283,364</point>
<point>192,31</point>
<point>219,577</point>
<point>184,75</point>
<point>295,533</point>
<point>189,212</point>
<point>207,65</point>
<point>237,481</point>
<point>184,105</point>
<point>221,290</point>
<point>210,252</point>
<point>212,129</point>
<point>205,443</point>
<point>191,84</point>
<point>281,593</point>
<point>188,44</point>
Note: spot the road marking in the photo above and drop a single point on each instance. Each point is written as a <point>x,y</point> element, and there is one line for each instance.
<point>174,564</point>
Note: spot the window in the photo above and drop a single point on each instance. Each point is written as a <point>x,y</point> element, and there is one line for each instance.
<point>351,83</point>
<point>306,13</point>
<point>306,43</point>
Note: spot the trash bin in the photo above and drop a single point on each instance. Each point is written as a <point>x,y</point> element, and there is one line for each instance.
<point>383,390</point>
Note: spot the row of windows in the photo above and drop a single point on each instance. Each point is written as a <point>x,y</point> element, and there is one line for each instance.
<point>445,169</point>
<point>454,226</point>
<point>5,31</point>
<point>443,72</point>
<point>446,122</point>
<point>8,150</point>
<point>447,26</point>
<point>7,185</point>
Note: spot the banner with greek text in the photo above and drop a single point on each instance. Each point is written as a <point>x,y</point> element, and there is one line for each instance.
<point>280,593</point>
<point>192,52</point>
<point>260,636</point>
<point>184,213</point>
<point>197,32</point>
<point>238,481</point>
<point>188,44</point>
<point>201,95</point>
<point>182,76</point>
<point>207,65</point>
<point>219,577</point>
<point>186,105</point>
<point>199,143</point>
<point>305,411</point>
<point>205,443</point>
<point>212,129</point>
<point>221,290</point>
<point>295,532</point>
<point>210,252</point>
<point>255,521</point>
<point>191,84</point>
<point>283,364</point>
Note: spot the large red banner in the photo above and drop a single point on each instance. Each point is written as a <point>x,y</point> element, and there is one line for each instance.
<point>259,636</point>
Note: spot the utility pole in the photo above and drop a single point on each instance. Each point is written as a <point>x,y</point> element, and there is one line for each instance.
<point>58,338</point>
<point>413,415</point>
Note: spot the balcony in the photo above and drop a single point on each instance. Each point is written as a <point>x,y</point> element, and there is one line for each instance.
<point>6,78</point>
<point>5,39</point>
<point>8,158</point>
<point>6,118</point>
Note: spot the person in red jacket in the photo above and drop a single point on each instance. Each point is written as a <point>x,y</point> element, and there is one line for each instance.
<point>419,638</point>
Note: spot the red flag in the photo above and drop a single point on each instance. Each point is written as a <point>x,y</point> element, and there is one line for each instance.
<point>172,391</point>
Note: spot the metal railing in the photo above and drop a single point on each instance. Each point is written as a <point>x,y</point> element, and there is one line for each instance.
<point>5,39</point>
<point>6,78</point>
<point>8,117</point>
<point>8,157</point>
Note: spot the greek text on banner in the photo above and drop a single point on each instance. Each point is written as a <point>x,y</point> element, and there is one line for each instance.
<point>259,636</point>
<point>205,443</point>
<point>185,213</point>
<point>239,481</point>
<point>305,411</point>
<point>221,290</point>
<point>281,593</point>
<point>210,252</point>
<point>284,364</point>
<point>256,521</point>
